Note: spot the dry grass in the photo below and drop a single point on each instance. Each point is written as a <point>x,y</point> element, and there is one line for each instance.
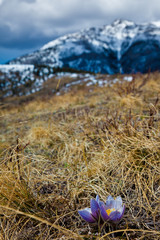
<point>58,152</point>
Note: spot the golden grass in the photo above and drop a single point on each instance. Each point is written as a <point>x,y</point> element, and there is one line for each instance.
<point>59,152</point>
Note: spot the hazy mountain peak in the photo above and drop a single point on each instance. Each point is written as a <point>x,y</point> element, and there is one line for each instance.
<point>123,22</point>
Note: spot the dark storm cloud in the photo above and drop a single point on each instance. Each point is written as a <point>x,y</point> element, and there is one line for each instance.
<point>28,24</point>
<point>22,39</point>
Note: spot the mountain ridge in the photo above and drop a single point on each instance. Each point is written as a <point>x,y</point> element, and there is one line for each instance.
<point>120,47</point>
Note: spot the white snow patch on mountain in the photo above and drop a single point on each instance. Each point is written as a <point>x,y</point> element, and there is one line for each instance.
<point>157,23</point>
<point>16,67</point>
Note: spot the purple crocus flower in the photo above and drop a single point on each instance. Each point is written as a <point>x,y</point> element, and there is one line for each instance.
<point>113,210</point>
<point>91,214</point>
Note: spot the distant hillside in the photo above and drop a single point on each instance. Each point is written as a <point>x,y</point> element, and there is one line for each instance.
<point>24,80</point>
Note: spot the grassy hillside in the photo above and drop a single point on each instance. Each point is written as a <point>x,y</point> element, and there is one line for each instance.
<point>58,152</point>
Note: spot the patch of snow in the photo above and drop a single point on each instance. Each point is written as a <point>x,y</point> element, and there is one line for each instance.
<point>51,44</point>
<point>73,83</point>
<point>115,80</point>
<point>74,75</point>
<point>16,67</point>
<point>156,23</point>
<point>155,32</point>
<point>128,78</point>
<point>87,79</point>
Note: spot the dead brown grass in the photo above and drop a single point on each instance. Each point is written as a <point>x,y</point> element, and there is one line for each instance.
<point>58,153</point>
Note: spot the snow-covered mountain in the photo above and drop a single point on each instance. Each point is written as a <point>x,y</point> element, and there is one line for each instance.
<point>123,46</point>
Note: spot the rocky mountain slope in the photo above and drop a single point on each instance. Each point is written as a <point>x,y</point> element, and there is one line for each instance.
<point>123,46</point>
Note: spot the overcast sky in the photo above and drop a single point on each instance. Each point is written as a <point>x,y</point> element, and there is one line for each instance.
<point>26,25</point>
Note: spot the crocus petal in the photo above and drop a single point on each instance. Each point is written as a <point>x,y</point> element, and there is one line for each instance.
<point>110,203</point>
<point>118,202</point>
<point>95,208</point>
<point>97,198</point>
<point>103,212</point>
<point>122,210</point>
<point>115,216</point>
<point>100,203</point>
<point>86,215</point>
